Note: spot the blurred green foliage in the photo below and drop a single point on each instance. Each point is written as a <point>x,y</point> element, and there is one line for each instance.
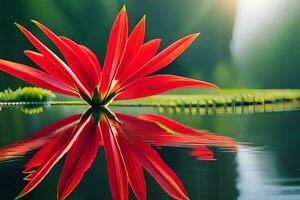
<point>266,43</point>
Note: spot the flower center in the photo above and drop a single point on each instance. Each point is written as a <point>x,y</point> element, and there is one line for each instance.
<point>97,101</point>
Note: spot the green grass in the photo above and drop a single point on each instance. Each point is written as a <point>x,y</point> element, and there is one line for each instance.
<point>26,94</point>
<point>233,97</point>
<point>35,100</point>
<point>244,101</point>
<point>218,98</point>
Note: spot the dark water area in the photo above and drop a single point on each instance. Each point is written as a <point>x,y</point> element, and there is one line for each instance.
<point>265,164</point>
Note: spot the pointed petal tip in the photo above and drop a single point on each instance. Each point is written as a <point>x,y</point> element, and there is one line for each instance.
<point>58,196</point>
<point>19,196</point>
<point>195,35</point>
<point>212,86</point>
<point>34,21</point>
<point>26,51</point>
<point>144,18</point>
<point>123,8</point>
<point>26,179</point>
<point>38,24</point>
<point>4,61</point>
<point>157,39</point>
<point>215,86</point>
<point>18,25</point>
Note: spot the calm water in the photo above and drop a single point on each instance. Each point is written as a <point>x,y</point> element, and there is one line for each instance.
<point>266,164</point>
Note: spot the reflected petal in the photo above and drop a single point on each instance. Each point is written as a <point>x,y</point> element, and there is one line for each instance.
<point>39,139</point>
<point>115,167</point>
<point>49,155</point>
<point>78,160</point>
<point>128,143</point>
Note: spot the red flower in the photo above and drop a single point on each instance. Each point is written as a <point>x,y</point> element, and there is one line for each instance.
<point>126,69</point>
<point>128,144</point>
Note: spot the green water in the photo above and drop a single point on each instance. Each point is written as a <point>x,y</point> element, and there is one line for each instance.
<point>265,165</point>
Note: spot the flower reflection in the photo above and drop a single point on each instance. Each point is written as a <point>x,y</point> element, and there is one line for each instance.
<point>129,143</point>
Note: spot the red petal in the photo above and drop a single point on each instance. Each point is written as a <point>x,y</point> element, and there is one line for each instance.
<point>38,139</point>
<point>170,53</point>
<point>161,172</point>
<point>135,127</point>
<point>61,66</point>
<point>50,155</point>
<point>179,134</point>
<point>35,77</point>
<point>134,43</point>
<point>70,55</point>
<point>115,50</point>
<point>157,84</point>
<point>42,61</point>
<point>161,131</point>
<point>134,171</point>
<point>94,60</point>
<point>166,56</point>
<point>202,153</point>
<point>91,71</point>
<point>171,124</point>
<point>78,161</point>
<point>143,56</point>
<point>42,155</point>
<point>116,171</point>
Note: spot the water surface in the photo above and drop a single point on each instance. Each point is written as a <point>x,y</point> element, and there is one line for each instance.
<point>265,165</point>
